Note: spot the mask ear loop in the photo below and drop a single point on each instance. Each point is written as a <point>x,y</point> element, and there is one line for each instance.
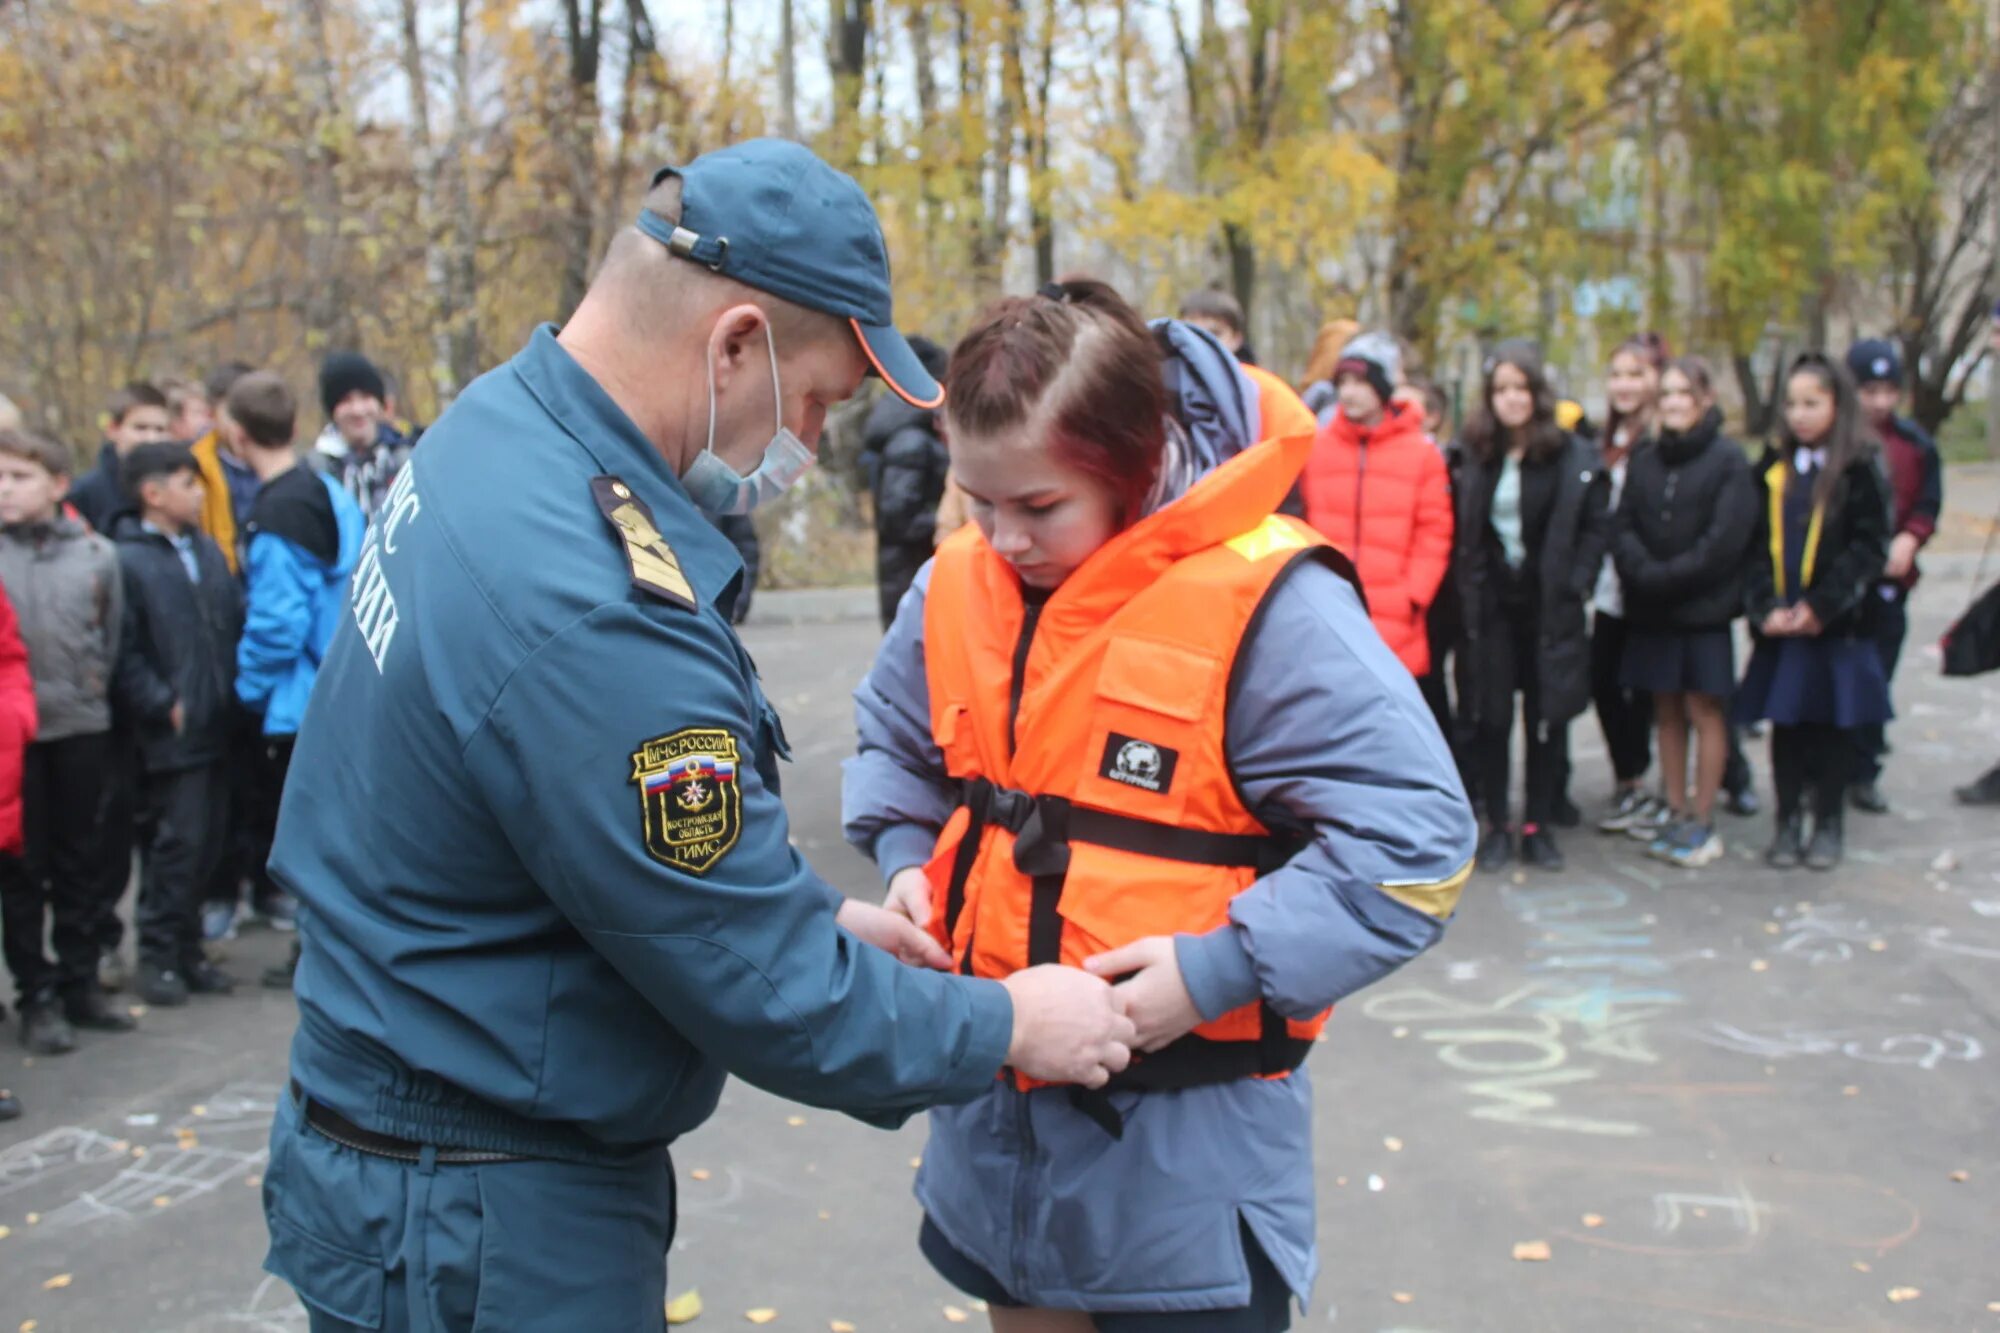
<point>777,394</point>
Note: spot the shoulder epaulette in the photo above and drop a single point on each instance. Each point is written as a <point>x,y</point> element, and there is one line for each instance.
<point>655,568</point>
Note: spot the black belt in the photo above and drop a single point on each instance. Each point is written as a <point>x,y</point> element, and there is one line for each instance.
<point>339,1129</point>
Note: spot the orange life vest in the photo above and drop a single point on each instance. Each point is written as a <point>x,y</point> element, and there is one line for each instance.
<point>1089,741</point>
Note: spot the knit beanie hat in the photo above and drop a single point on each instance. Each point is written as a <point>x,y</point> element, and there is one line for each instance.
<point>1375,358</point>
<point>344,372</point>
<point>1875,361</point>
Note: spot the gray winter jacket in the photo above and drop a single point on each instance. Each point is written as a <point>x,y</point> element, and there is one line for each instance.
<point>64,582</point>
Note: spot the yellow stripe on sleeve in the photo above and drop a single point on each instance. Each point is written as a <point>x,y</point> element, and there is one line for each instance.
<point>1436,898</point>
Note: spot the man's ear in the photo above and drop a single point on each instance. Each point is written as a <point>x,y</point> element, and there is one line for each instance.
<point>62,480</point>
<point>738,341</point>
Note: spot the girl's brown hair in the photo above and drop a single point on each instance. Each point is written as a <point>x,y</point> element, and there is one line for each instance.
<point>1699,377</point>
<point>1847,440</point>
<point>1333,335</point>
<point>1073,360</point>
<point>1651,349</point>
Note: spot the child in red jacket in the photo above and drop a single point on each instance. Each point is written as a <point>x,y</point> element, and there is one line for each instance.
<point>17,728</point>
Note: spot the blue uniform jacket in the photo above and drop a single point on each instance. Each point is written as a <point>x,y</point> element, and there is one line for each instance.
<point>1325,731</point>
<point>516,935</point>
<point>295,576</point>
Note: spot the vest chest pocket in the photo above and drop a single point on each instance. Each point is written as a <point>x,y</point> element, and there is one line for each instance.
<point>1150,740</point>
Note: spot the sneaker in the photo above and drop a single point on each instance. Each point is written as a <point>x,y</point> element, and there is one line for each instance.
<point>1661,848</point>
<point>1868,799</point>
<point>45,1031</point>
<point>111,974</point>
<point>1538,848</point>
<point>1496,849</point>
<point>1743,804</point>
<point>161,984</point>
<point>205,978</point>
<point>1650,823</point>
<point>88,1009</point>
<point>1985,790</point>
<point>280,912</point>
<point>10,1106</point>
<point>1696,846</point>
<point>1630,804</point>
<point>218,922</point>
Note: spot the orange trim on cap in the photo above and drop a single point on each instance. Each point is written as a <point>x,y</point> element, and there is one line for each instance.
<point>889,380</point>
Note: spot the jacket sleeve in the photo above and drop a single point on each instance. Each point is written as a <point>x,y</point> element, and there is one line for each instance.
<point>1718,547</point>
<point>1594,528</point>
<point>743,957</point>
<point>1760,586</point>
<point>1923,520</point>
<point>277,616</point>
<point>1844,577</point>
<point>1430,541</point>
<point>140,690</point>
<point>17,684</point>
<point>902,512</point>
<point>894,793</point>
<point>1347,751</point>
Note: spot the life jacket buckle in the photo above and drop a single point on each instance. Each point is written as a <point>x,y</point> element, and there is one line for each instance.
<point>1041,844</point>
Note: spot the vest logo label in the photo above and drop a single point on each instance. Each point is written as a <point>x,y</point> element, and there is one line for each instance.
<point>690,805</point>
<point>1138,763</point>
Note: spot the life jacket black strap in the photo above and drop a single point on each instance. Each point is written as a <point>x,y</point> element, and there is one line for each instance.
<point>1194,1062</point>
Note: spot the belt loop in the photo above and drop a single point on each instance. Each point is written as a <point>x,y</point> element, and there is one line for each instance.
<point>427,1160</point>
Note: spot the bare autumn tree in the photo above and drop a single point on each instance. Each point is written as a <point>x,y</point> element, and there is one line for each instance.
<point>329,312</point>
<point>444,210</point>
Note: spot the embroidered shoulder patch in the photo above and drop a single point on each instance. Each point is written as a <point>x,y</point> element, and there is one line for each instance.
<point>655,567</point>
<point>690,804</point>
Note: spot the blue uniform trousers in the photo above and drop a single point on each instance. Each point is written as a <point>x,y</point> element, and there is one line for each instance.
<point>529,1247</point>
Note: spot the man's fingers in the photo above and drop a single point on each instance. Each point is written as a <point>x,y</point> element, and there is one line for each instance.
<point>1095,1078</point>
<point>923,949</point>
<point>1117,1055</point>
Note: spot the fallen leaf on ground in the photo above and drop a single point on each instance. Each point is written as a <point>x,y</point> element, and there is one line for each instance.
<point>1850,1091</point>
<point>6,1232</point>
<point>699,1173</point>
<point>1770,927</point>
<point>1961,1176</point>
<point>253,1181</point>
<point>1994,1306</point>
<point>1401,1297</point>
<point>1520,877</point>
<point>916,1162</point>
<point>136,1010</point>
<point>979,1307</point>
<point>1340,1180</point>
<point>825,1216</point>
<point>840,1326</point>
<point>1944,862</point>
<point>29,1326</point>
<point>58,1282</point>
<point>1393,1144</point>
<point>1376,1184</point>
<point>1592,1220</point>
<point>1861,1265</point>
<point>161,1201</point>
<point>954,1315</point>
<point>198,1110</point>
<point>1532,1251</point>
<point>1399,1032</point>
<point>33,1218</point>
<point>795,1120</point>
<point>763,1315</point>
<point>684,1308</point>
<point>1877,946</point>
<point>1901,1294</point>
<point>1760,965</point>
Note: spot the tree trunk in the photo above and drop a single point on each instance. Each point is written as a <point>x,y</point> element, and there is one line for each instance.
<point>329,315</point>
<point>788,72</point>
<point>577,134</point>
<point>847,63</point>
<point>1760,401</point>
<point>462,258</point>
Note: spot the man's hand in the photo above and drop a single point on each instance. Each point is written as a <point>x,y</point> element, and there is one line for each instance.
<point>893,934</point>
<point>1069,1026</point>
<point>1805,620</point>
<point>910,895</point>
<point>1778,624</point>
<point>1902,556</point>
<point>177,717</point>
<point>1156,998</point>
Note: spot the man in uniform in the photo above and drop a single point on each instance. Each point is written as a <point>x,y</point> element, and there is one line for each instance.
<point>533,816</point>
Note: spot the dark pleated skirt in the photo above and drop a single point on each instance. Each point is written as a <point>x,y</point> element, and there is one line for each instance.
<point>1832,681</point>
<point>1693,661</point>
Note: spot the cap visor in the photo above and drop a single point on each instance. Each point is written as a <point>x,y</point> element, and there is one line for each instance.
<point>898,366</point>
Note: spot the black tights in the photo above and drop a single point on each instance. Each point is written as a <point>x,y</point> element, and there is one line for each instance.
<point>1811,760</point>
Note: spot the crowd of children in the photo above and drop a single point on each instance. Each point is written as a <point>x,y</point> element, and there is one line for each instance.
<point>1609,567</point>
<point>162,617</point>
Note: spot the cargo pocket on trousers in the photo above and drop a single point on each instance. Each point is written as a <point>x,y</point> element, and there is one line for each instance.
<point>329,1279</point>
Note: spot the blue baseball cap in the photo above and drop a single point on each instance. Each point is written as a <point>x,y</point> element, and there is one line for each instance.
<point>771,215</point>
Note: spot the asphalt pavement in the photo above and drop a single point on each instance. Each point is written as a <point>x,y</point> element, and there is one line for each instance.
<point>1617,1097</point>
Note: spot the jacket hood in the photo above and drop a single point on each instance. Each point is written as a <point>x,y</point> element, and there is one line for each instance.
<point>1677,447</point>
<point>889,415</point>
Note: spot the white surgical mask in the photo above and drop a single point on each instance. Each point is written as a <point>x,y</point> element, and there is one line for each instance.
<point>718,488</point>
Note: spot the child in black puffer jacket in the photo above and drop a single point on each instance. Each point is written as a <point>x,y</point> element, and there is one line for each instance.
<point>1685,521</point>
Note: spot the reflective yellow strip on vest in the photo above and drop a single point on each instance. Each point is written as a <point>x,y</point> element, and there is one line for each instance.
<point>1267,538</point>
<point>1775,481</point>
<point>1435,898</point>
